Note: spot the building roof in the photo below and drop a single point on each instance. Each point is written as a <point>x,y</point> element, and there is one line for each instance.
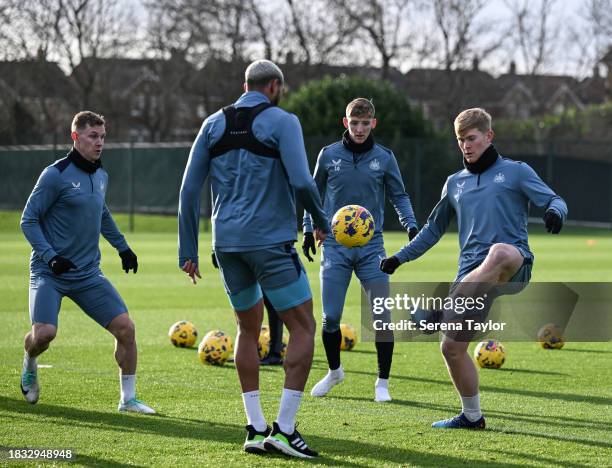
<point>36,78</point>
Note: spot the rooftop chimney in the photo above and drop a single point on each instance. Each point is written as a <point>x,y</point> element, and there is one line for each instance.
<point>512,70</point>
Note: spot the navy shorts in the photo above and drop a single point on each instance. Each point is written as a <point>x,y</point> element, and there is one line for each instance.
<point>95,295</point>
<point>277,269</point>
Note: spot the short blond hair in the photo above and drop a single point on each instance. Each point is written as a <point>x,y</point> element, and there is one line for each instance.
<point>360,107</point>
<point>84,118</point>
<point>469,119</point>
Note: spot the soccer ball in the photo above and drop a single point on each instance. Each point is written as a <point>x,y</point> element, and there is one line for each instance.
<point>490,354</point>
<point>353,226</point>
<point>183,334</point>
<point>216,348</point>
<point>263,343</point>
<point>285,343</point>
<point>550,336</point>
<point>349,337</point>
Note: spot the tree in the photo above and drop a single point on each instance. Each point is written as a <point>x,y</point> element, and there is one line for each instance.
<point>462,32</point>
<point>590,39</point>
<point>320,106</point>
<point>534,33</point>
<point>316,33</point>
<point>384,23</point>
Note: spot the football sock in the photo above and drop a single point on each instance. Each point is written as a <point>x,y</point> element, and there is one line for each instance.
<point>289,405</point>
<point>128,387</point>
<point>252,407</point>
<point>471,407</point>
<point>29,364</point>
<point>331,342</point>
<point>384,353</point>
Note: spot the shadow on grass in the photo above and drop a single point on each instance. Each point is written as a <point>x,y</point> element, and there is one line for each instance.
<point>76,458</point>
<point>512,416</point>
<point>574,397</point>
<point>593,351</point>
<point>333,451</point>
<point>531,457</point>
<point>530,371</point>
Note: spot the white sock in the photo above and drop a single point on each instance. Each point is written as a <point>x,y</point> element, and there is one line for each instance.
<point>128,387</point>
<point>471,407</point>
<point>289,405</point>
<point>336,373</point>
<point>252,407</point>
<point>29,364</point>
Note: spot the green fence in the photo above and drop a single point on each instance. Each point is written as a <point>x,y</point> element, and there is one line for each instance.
<point>146,178</point>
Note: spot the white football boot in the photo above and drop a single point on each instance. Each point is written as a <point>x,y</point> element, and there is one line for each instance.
<point>135,406</point>
<point>333,378</point>
<point>381,390</point>
<point>29,386</point>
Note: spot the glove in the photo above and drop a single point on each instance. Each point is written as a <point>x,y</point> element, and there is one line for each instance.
<point>129,261</point>
<point>308,245</point>
<point>412,232</point>
<point>60,265</point>
<point>389,265</point>
<point>213,257</point>
<point>553,222</point>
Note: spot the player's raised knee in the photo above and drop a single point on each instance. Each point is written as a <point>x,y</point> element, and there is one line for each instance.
<point>502,254</point>
<point>44,333</point>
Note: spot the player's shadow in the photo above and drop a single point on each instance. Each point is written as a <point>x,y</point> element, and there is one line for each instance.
<point>593,351</point>
<point>333,451</point>
<point>530,371</point>
<point>573,397</point>
<point>531,457</point>
<point>362,351</point>
<point>547,421</point>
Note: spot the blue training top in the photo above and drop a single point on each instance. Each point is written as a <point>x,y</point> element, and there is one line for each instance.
<point>65,215</point>
<point>253,196</point>
<point>491,207</point>
<point>347,178</point>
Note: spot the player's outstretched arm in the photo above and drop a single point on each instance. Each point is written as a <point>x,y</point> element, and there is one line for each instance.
<point>194,176</point>
<point>110,231</point>
<point>320,178</point>
<point>396,191</point>
<point>542,196</point>
<point>434,229</point>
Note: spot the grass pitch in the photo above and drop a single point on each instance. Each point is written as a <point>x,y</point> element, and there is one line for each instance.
<point>543,408</point>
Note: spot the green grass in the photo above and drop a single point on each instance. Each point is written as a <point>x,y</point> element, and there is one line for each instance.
<point>543,408</point>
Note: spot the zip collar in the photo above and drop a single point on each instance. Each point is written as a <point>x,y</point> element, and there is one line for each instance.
<point>486,160</point>
<point>79,161</point>
<point>357,148</point>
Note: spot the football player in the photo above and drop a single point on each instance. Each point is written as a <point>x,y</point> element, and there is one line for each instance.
<point>490,199</point>
<point>356,171</point>
<point>63,219</point>
<point>254,153</point>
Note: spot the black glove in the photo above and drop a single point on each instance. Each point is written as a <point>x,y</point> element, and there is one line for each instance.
<point>213,257</point>
<point>129,261</point>
<point>553,222</point>
<point>389,265</point>
<point>308,245</point>
<point>412,232</point>
<point>60,265</point>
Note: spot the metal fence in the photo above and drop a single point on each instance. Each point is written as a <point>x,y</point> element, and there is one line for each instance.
<point>145,178</point>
